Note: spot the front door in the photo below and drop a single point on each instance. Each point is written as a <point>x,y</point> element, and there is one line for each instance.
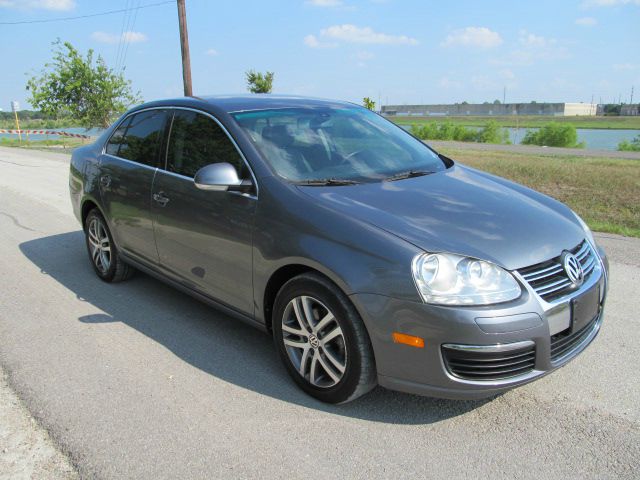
<point>127,170</point>
<point>204,238</point>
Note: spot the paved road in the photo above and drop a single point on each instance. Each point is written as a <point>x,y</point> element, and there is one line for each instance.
<point>534,149</point>
<point>138,380</point>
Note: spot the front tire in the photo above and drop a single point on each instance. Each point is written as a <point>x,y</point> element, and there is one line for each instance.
<point>322,340</point>
<point>102,250</point>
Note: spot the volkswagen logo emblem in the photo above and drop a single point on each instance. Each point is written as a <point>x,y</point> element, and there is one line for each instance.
<point>573,269</point>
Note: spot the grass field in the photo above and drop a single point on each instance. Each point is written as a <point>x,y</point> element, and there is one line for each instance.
<point>604,192</point>
<point>530,121</point>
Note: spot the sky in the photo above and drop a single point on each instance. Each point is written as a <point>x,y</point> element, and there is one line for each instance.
<point>394,51</point>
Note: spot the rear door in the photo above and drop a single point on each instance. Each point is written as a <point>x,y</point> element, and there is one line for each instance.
<point>127,169</point>
<point>204,237</point>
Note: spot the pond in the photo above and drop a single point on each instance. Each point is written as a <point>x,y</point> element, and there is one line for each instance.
<point>594,139</point>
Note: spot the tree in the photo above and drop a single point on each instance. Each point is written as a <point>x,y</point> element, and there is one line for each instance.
<point>259,83</point>
<point>88,92</point>
<point>368,103</point>
<point>497,102</point>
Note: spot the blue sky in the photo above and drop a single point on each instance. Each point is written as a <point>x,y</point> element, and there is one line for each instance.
<point>398,51</point>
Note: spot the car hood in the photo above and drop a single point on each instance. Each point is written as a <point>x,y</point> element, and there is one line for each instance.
<point>461,211</point>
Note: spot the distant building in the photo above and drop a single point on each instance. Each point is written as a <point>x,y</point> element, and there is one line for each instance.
<point>632,109</point>
<point>487,109</point>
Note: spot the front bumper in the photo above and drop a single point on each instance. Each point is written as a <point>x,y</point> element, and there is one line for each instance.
<point>424,371</point>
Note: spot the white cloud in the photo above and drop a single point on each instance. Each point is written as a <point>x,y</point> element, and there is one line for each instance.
<point>364,55</point>
<point>480,37</point>
<point>59,5</point>
<point>507,74</point>
<point>536,41</point>
<point>624,66</point>
<point>131,37</point>
<point>313,42</point>
<point>448,83</point>
<point>212,52</point>
<point>532,48</point>
<point>586,21</point>
<point>364,35</point>
<point>609,3</point>
<point>325,3</point>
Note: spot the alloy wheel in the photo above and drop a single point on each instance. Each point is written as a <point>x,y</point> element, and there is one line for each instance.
<point>99,245</point>
<point>314,341</point>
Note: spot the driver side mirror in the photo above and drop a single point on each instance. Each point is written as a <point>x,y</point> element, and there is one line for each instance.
<point>221,177</point>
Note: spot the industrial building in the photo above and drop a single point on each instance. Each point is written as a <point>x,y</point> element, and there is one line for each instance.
<point>630,109</point>
<point>486,109</point>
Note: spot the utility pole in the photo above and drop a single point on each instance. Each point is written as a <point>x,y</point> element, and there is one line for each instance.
<point>184,47</point>
<point>504,94</point>
<point>631,100</point>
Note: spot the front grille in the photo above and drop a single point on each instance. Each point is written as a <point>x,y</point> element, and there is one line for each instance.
<point>564,342</point>
<point>487,366</point>
<point>550,281</point>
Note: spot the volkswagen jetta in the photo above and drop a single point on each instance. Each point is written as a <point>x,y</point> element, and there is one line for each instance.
<point>369,257</point>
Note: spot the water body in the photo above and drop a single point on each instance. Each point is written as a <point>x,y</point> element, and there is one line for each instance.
<point>594,139</point>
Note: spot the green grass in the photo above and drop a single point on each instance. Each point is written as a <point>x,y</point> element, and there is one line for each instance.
<point>37,124</point>
<point>530,121</point>
<point>604,192</point>
<point>52,144</point>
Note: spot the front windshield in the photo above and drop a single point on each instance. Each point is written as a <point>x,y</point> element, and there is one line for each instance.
<point>336,144</point>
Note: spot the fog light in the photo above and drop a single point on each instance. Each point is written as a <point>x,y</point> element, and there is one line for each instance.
<point>408,340</point>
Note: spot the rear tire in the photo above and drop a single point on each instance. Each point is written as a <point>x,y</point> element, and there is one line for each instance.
<point>103,253</point>
<point>322,340</point>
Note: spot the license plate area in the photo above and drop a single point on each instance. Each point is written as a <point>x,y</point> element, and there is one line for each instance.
<point>584,308</point>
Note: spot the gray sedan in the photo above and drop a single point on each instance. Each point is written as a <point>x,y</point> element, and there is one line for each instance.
<point>369,257</point>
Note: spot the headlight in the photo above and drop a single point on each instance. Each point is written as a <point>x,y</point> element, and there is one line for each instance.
<point>587,230</point>
<point>448,279</point>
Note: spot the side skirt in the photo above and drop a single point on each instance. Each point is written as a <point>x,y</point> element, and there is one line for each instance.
<point>195,294</point>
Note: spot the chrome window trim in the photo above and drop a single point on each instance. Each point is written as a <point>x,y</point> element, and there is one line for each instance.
<point>137,164</point>
<point>163,169</point>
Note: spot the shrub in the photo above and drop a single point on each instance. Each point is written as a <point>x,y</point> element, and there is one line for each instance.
<point>553,135</point>
<point>632,146</point>
<point>490,133</point>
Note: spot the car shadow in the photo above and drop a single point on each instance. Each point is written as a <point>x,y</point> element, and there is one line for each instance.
<point>210,340</point>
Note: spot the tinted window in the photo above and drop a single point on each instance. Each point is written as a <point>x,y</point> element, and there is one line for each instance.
<point>143,137</point>
<point>116,139</point>
<point>195,141</point>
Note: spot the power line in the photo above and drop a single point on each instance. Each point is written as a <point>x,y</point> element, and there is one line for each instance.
<point>124,18</point>
<point>64,19</point>
<point>127,40</point>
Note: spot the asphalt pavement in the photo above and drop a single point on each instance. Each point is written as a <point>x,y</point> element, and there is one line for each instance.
<point>137,380</point>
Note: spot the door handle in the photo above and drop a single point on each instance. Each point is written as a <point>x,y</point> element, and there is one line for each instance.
<point>105,180</point>
<point>160,199</point>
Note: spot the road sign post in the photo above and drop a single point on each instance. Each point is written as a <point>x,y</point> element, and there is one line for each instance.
<point>15,106</point>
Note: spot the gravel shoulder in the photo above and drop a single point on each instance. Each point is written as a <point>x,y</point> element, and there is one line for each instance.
<point>26,450</point>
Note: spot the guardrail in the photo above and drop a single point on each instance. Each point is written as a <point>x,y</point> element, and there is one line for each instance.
<point>43,132</point>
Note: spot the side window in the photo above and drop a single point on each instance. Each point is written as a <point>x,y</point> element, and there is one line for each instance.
<point>195,141</point>
<point>143,137</point>
<point>113,146</point>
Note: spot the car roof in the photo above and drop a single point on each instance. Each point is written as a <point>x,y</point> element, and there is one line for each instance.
<point>247,102</point>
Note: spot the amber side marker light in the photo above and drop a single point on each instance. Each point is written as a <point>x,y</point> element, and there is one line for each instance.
<point>408,340</point>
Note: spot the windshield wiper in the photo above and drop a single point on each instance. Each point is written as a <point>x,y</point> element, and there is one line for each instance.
<point>327,181</point>
<point>408,174</point>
